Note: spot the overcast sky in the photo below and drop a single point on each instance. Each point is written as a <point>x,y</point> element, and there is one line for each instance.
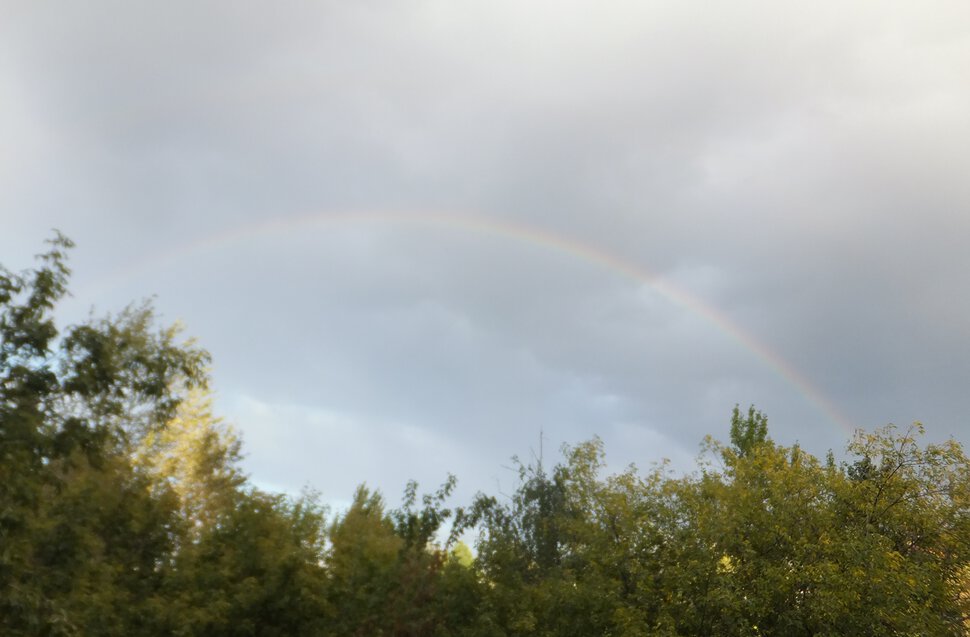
<point>415,234</point>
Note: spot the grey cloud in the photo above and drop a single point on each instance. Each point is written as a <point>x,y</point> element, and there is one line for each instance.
<point>796,167</point>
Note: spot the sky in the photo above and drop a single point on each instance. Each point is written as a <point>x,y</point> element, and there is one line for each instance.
<point>421,238</point>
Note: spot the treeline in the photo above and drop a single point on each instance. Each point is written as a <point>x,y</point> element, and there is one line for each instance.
<point>123,511</point>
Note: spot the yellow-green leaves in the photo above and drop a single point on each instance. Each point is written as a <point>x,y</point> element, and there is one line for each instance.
<point>196,456</point>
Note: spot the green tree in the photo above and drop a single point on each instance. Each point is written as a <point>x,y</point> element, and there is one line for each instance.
<point>83,544</point>
<point>256,571</point>
<point>748,432</point>
<point>362,567</point>
<point>388,574</point>
<point>776,542</point>
<point>196,456</point>
<point>762,540</point>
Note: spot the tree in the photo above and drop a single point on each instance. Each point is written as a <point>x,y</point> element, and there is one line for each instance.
<point>762,540</point>
<point>749,432</point>
<point>83,544</point>
<point>388,575</point>
<point>362,567</point>
<point>256,571</point>
<point>196,456</point>
<point>778,543</point>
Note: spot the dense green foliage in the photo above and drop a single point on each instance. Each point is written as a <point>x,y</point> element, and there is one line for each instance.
<point>123,511</point>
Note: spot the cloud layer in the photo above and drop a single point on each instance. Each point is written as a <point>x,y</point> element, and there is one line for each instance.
<point>795,168</point>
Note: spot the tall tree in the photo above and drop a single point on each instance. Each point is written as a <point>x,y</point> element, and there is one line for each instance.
<point>81,539</point>
<point>196,456</point>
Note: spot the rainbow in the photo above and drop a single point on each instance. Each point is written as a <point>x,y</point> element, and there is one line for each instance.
<point>508,230</point>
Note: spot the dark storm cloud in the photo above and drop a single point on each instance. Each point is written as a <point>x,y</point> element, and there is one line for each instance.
<point>798,168</point>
